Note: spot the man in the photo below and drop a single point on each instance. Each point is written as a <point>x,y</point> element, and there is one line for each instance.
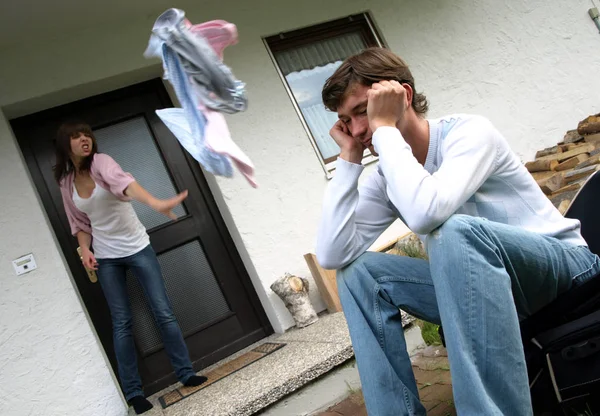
<point>498,249</point>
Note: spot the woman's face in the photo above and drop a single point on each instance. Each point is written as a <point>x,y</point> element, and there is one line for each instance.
<point>81,145</point>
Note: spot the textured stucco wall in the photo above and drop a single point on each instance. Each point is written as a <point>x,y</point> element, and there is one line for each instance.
<point>528,66</point>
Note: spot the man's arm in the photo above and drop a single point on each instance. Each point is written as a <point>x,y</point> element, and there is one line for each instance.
<point>426,201</point>
<point>351,221</point>
<point>471,153</point>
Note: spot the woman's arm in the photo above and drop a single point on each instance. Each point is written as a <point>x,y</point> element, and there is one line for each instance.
<point>87,257</point>
<point>164,206</point>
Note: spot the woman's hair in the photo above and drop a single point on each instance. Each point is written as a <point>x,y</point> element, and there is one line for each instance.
<point>366,68</point>
<point>65,133</point>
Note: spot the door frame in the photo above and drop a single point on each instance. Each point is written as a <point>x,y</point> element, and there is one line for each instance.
<point>26,139</point>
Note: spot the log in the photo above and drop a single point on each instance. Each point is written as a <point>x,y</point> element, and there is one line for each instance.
<point>589,125</point>
<point>571,163</point>
<point>592,160</point>
<point>563,206</point>
<point>572,137</point>
<point>542,175</point>
<point>556,200</point>
<point>567,155</point>
<point>571,146</point>
<point>541,165</point>
<point>568,188</point>
<point>293,291</point>
<point>580,173</point>
<point>326,283</point>
<point>551,184</point>
<point>549,151</point>
<point>592,138</point>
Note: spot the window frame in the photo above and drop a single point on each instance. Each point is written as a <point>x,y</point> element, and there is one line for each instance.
<point>361,23</point>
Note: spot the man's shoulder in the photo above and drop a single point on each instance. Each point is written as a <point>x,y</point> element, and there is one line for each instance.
<point>450,121</point>
<point>467,129</point>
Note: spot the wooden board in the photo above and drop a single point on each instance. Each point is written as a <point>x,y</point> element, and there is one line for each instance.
<point>326,283</point>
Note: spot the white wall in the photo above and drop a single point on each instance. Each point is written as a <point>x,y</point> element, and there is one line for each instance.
<point>529,66</point>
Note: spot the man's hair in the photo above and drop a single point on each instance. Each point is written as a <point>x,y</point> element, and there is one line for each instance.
<point>366,68</point>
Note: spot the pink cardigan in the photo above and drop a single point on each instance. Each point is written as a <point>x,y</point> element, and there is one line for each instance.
<point>105,172</point>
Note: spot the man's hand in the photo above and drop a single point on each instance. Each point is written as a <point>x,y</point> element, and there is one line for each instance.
<point>165,206</point>
<point>387,104</point>
<point>88,259</point>
<point>351,150</point>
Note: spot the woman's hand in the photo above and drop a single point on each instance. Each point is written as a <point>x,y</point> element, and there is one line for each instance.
<point>88,259</point>
<point>166,206</point>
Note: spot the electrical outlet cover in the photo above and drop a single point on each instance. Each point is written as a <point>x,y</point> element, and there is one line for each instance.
<point>24,264</point>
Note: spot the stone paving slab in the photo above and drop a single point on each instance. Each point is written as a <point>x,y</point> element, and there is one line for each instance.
<point>309,353</point>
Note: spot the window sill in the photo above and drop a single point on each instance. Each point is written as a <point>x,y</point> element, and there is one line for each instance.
<point>368,159</point>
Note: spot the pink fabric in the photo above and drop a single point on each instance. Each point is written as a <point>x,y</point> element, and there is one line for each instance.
<point>218,139</point>
<point>219,34</point>
<point>106,173</point>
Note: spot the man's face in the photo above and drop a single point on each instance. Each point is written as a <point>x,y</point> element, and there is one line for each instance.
<point>353,113</point>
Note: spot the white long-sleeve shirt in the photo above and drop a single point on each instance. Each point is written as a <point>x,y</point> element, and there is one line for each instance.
<point>470,169</point>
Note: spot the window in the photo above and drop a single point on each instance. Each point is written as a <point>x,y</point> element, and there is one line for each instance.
<point>305,58</point>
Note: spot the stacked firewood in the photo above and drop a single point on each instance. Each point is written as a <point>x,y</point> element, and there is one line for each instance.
<point>562,169</point>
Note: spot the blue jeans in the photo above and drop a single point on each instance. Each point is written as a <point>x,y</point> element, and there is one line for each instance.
<point>481,279</point>
<point>111,275</point>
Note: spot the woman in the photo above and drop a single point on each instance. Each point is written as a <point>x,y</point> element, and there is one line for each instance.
<point>95,193</point>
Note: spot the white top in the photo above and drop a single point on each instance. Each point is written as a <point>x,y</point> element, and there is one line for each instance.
<point>116,230</point>
<point>470,169</point>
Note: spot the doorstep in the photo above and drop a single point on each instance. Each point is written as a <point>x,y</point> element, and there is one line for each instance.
<point>308,354</point>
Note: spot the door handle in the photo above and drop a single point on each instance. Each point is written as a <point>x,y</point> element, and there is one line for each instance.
<point>91,273</point>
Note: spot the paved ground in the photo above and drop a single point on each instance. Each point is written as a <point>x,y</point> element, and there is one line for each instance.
<point>433,378</point>
<point>308,354</point>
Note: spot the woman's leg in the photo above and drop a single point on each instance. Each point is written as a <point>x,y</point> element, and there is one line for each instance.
<point>146,268</point>
<point>111,274</point>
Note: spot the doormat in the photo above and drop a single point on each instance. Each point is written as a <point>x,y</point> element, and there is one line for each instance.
<point>221,372</point>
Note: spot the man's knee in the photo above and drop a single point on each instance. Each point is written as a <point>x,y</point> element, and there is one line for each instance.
<point>455,226</point>
<point>355,272</point>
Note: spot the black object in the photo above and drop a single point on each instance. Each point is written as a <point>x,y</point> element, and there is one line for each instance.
<point>140,404</point>
<point>562,340</point>
<point>195,381</point>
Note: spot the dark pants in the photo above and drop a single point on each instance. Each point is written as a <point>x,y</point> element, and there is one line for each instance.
<point>144,265</point>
